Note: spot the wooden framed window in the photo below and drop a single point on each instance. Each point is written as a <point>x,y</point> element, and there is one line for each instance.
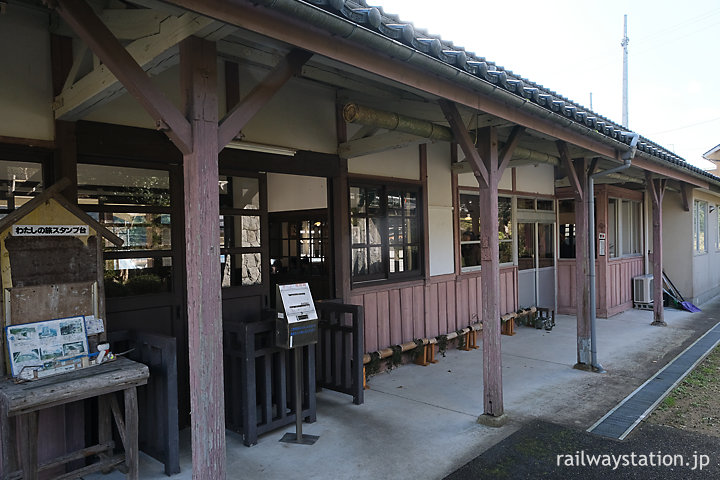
<point>134,204</point>
<point>469,222</point>
<point>386,232</point>
<point>241,256</point>
<point>700,226</point>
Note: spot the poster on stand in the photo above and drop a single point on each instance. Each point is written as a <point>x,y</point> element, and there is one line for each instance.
<point>44,346</point>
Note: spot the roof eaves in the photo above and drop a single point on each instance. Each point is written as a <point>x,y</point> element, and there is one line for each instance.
<point>390,26</point>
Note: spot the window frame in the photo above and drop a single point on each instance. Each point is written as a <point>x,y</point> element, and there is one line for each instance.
<point>635,234</point>
<point>696,227</point>
<point>386,276</point>
<point>172,209</point>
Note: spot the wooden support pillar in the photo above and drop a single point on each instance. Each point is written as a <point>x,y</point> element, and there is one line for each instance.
<point>656,191</point>
<point>577,170</point>
<point>488,165</point>
<point>202,259</point>
<point>61,59</point>
<point>340,201</point>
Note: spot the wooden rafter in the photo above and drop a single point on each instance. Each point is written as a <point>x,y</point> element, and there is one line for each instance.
<point>378,143</point>
<point>684,196</point>
<point>101,41</point>
<point>463,139</point>
<point>570,167</point>
<point>244,111</point>
<point>509,147</point>
<point>154,54</point>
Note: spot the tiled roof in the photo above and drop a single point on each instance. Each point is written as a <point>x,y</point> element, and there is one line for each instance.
<point>375,19</point>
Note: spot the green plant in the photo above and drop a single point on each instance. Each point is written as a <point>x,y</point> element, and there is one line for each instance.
<point>395,359</point>
<point>461,339</point>
<point>442,344</point>
<point>418,350</point>
<point>146,283</point>
<point>373,365</point>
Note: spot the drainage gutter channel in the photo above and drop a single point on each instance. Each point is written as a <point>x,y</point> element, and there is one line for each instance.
<point>622,419</point>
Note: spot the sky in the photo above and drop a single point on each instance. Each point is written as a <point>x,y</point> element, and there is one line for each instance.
<point>573,48</point>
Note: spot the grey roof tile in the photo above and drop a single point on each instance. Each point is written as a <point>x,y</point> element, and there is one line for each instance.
<point>389,25</point>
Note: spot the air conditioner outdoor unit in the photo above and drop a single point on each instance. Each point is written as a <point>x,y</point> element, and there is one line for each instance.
<point>643,289</point>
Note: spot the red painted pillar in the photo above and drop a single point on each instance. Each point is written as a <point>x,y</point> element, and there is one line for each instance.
<point>582,266</point>
<point>202,259</point>
<point>656,189</point>
<point>490,274</point>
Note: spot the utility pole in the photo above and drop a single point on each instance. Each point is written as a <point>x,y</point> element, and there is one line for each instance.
<point>590,100</point>
<point>624,44</point>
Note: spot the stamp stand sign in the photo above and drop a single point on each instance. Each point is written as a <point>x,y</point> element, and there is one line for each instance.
<point>51,272</point>
<point>296,327</point>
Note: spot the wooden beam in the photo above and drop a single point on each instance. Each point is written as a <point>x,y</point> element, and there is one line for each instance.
<point>378,143</point>
<point>232,85</point>
<point>154,54</point>
<point>509,147</point>
<point>423,157</point>
<point>198,73</point>
<point>28,142</point>
<point>124,23</point>
<point>684,196</point>
<point>364,132</point>
<point>668,172</point>
<point>88,26</point>
<point>463,138</point>
<point>570,167</point>
<point>244,111</point>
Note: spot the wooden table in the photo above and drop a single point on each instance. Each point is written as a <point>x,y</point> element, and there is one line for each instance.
<point>24,401</point>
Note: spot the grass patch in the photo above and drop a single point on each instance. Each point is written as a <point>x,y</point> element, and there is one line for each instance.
<point>694,403</point>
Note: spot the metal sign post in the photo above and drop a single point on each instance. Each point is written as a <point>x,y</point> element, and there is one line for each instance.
<point>296,327</point>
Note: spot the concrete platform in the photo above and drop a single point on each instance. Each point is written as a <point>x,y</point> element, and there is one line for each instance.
<point>420,422</point>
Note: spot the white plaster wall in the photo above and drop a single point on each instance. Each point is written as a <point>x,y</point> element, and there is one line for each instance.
<point>706,267</point>
<point>295,192</point>
<point>301,115</point>
<point>678,258</point>
<point>398,163</point>
<point>126,110</point>
<point>25,79</point>
<point>535,179</point>
<point>440,211</point>
<point>469,180</point>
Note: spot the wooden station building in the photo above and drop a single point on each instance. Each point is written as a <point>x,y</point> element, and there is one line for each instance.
<point>235,145</point>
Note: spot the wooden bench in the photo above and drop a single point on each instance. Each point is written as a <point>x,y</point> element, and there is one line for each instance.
<point>23,402</point>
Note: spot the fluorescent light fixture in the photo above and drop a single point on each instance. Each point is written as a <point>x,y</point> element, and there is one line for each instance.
<point>262,148</point>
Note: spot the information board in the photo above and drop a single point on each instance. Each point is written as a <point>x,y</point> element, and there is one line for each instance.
<point>296,302</point>
<point>46,346</point>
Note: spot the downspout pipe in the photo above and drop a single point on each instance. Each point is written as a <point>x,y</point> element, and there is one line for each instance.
<point>627,158</point>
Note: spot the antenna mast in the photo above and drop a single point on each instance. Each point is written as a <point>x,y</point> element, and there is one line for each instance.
<point>624,44</point>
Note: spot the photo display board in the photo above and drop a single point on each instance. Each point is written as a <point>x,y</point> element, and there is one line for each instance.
<point>47,347</point>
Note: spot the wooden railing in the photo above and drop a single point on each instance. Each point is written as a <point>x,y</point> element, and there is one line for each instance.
<point>340,348</point>
<point>259,380</point>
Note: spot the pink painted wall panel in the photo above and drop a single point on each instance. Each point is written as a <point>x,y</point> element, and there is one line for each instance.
<point>395,316</point>
<point>451,307</point>
<point>419,311</point>
<point>406,304</point>
<point>461,296</point>
<point>442,308</point>
<point>473,312</point>
<point>619,281</point>
<point>431,319</point>
<point>371,322</point>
